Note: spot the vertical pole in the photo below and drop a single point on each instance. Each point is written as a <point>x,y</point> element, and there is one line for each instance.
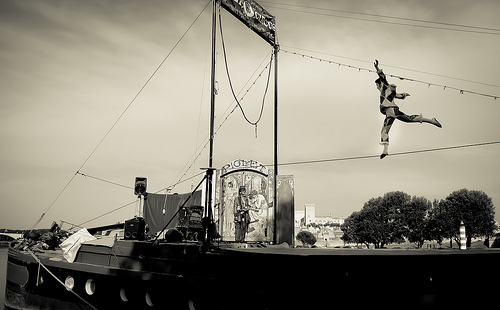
<point>208,201</point>
<point>275,180</point>
<point>212,86</point>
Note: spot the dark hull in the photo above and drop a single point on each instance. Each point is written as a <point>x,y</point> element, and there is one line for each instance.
<point>137,275</point>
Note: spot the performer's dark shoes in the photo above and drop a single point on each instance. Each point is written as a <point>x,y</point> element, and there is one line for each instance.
<point>435,122</point>
<point>383,155</point>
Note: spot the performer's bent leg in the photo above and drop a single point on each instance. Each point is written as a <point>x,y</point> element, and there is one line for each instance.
<point>432,121</point>
<point>417,119</point>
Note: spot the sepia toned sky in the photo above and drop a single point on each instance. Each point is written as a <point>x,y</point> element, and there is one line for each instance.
<point>71,74</point>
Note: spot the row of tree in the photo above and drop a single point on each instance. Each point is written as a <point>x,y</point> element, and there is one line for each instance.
<point>397,217</point>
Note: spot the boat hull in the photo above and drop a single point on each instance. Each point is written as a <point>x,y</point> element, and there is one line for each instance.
<point>94,286</point>
<point>138,275</point>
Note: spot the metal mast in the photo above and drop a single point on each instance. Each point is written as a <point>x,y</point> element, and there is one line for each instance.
<point>208,214</point>
<point>275,180</point>
<point>212,85</point>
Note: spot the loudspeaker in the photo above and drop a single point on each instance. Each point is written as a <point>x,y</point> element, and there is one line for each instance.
<point>135,229</point>
<point>141,185</point>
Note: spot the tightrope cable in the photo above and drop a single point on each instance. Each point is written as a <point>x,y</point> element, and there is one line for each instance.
<point>393,154</point>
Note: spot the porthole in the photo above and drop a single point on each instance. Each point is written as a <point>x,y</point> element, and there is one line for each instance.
<point>90,287</point>
<point>123,296</point>
<point>149,302</point>
<point>69,283</point>
<point>191,305</point>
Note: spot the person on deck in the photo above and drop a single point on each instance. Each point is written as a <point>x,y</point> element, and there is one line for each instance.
<point>391,110</point>
<point>241,216</point>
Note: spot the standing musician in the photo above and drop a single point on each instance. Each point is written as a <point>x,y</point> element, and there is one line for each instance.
<point>241,216</point>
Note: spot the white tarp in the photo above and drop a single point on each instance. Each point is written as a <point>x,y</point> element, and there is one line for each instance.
<point>71,245</point>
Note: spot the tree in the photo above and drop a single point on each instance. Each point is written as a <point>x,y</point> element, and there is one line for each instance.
<point>379,222</point>
<point>440,223</point>
<point>349,229</point>
<point>306,237</point>
<point>388,219</point>
<point>356,229</point>
<point>473,207</point>
<point>414,218</point>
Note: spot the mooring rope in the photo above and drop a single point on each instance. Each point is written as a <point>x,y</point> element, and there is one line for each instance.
<point>57,279</point>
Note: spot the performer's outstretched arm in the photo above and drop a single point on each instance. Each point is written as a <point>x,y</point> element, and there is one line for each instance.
<point>401,95</point>
<point>380,73</point>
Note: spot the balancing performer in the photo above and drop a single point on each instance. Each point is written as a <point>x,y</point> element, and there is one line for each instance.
<point>391,111</point>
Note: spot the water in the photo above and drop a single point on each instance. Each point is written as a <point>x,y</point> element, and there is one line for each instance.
<point>3,272</point>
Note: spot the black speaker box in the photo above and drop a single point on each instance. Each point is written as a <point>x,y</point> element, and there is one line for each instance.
<point>135,229</point>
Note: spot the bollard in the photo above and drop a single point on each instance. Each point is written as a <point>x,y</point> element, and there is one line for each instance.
<point>463,238</point>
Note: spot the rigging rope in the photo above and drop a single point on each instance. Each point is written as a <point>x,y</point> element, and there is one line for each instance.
<point>57,279</point>
<point>204,146</point>
<point>231,84</point>
<point>106,181</point>
<point>478,30</point>
<point>118,119</point>
<point>461,90</point>
<point>385,16</point>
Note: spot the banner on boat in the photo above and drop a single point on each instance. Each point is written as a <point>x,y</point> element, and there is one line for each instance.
<point>285,194</point>
<point>254,16</point>
<point>245,211</point>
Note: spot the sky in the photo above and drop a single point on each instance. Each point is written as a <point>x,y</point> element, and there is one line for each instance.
<point>74,138</point>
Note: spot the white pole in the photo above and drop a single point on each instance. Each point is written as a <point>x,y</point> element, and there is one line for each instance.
<point>463,238</point>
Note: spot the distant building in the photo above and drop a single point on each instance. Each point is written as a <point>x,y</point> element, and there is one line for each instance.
<point>322,220</point>
<point>310,214</point>
<point>326,229</point>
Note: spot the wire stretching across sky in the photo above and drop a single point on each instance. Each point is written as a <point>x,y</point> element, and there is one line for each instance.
<point>404,21</point>
<point>304,162</point>
<point>315,161</point>
<point>461,90</point>
<point>389,66</point>
<point>119,117</point>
